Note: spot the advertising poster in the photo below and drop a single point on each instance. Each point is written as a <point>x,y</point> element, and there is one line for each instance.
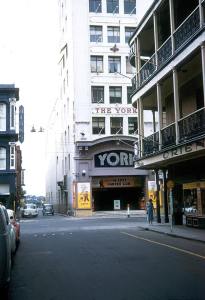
<point>84,201</point>
<point>152,192</point>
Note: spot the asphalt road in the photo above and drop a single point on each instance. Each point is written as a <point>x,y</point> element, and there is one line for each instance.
<point>104,259</point>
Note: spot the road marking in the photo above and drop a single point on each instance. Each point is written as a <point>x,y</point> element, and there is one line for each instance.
<point>165,245</point>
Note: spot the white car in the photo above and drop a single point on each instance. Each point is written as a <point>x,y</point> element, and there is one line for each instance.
<point>30,210</point>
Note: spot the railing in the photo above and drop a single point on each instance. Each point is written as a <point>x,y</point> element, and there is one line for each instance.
<point>190,25</point>
<point>192,125</point>
<point>185,31</point>
<point>134,82</point>
<point>151,144</point>
<point>168,136</point>
<point>164,52</point>
<point>147,69</point>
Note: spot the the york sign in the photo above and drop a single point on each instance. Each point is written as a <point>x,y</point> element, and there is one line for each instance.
<point>115,159</point>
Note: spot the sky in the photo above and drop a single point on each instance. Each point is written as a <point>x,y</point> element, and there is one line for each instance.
<point>28,58</point>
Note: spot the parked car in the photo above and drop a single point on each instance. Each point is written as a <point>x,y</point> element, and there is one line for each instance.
<point>30,210</point>
<point>5,248</point>
<point>48,209</point>
<point>16,225</point>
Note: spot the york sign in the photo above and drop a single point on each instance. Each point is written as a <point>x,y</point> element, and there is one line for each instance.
<point>115,159</point>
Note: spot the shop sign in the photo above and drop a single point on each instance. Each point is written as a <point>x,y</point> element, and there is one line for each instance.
<point>84,201</point>
<point>114,110</point>
<point>193,185</point>
<point>113,182</point>
<point>189,148</point>
<point>115,159</point>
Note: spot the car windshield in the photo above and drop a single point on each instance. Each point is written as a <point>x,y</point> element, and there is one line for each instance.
<point>30,206</point>
<point>48,206</point>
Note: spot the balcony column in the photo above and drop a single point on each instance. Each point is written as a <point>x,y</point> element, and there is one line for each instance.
<point>203,67</point>
<point>157,196</point>
<point>156,42</point>
<point>166,212</point>
<point>176,103</point>
<point>201,13</point>
<point>159,107</point>
<point>137,61</point>
<point>141,126</point>
<point>172,25</point>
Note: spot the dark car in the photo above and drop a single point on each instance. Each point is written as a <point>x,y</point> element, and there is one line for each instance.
<point>5,248</point>
<point>48,209</point>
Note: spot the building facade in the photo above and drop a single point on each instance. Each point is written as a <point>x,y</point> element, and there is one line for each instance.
<point>168,52</point>
<point>93,126</point>
<point>9,95</point>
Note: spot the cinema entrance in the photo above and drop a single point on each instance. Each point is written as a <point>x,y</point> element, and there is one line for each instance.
<point>116,192</point>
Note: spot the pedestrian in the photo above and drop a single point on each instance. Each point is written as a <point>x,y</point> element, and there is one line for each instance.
<point>150,211</point>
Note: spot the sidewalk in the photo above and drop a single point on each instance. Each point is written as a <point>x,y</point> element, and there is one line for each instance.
<point>165,228</point>
<point>177,231</point>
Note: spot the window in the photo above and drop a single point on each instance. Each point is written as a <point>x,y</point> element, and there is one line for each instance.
<point>2,158</point>
<point>113,6</point>
<point>114,64</point>
<point>2,117</point>
<point>12,157</point>
<point>129,68</point>
<point>115,94</point>
<point>128,32</point>
<point>116,125</point>
<point>113,34</point>
<point>96,64</point>
<point>95,6</point>
<point>130,7</point>
<point>132,125</point>
<point>98,125</point>
<point>97,93</point>
<point>12,114</point>
<point>129,92</point>
<point>96,34</point>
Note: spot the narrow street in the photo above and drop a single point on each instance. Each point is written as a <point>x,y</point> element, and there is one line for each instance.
<point>64,258</point>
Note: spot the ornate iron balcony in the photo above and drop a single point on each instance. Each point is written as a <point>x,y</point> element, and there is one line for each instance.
<point>192,125</point>
<point>168,136</point>
<point>151,144</point>
<point>164,52</point>
<point>187,29</point>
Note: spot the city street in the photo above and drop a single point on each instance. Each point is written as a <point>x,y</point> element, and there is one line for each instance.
<point>104,258</point>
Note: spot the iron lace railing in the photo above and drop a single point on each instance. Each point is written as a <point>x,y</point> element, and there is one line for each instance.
<point>190,25</point>
<point>168,136</point>
<point>164,52</point>
<point>147,69</point>
<point>150,144</point>
<point>192,125</point>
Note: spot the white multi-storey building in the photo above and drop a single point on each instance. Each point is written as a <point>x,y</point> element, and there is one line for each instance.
<point>93,126</point>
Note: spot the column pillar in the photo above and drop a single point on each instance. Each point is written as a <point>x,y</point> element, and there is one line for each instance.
<point>203,67</point>
<point>172,25</point>
<point>156,43</point>
<point>201,13</point>
<point>159,107</point>
<point>176,103</point>
<point>157,196</point>
<point>166,211</point>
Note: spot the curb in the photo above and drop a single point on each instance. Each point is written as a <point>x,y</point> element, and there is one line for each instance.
<point>173,234</point>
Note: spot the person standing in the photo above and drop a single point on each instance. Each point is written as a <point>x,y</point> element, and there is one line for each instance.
<point>150,211</point>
